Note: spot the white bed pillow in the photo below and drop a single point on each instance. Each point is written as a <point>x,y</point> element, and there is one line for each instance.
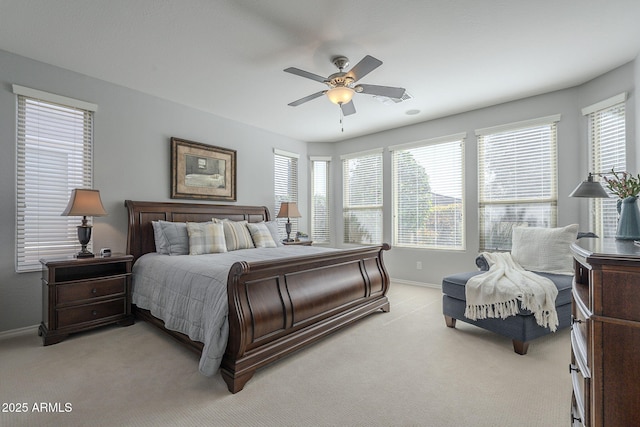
<point>545,250</point>
<point>275,233</point>
<point>206,238</point>
<point>236,234</point>
<point>176,238</point>
<point>261,235</point>
<point>162,246</point>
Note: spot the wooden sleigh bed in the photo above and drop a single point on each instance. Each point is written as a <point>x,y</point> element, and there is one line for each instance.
<point>275,307</point>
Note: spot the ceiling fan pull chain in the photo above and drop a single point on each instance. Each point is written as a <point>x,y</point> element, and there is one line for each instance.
<point>341,118</point>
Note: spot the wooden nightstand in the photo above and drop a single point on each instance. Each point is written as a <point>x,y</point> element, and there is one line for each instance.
<point>81,294</point>
<point>299,242</point>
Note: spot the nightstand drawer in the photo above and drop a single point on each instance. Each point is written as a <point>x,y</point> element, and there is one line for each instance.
<point>91,289</point>
<point>91,312</point>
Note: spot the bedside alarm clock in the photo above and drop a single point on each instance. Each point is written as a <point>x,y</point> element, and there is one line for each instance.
<point>105,252</point>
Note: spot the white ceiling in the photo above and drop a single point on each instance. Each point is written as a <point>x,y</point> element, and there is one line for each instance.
<point>227,56</point>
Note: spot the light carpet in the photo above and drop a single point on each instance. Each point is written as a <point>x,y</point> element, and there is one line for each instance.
<point>403,368</point>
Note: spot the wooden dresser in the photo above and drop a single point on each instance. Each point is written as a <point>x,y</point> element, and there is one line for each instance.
<point>81,294</point>
<point>605,336</point>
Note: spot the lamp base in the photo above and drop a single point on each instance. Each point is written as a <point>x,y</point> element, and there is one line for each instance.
<point>84,235</point>
<point>86,254</point>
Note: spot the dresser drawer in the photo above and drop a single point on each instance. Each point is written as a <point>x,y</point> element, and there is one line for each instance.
<point>91,312</point>
<point>580,325</point>
<point>580,379</point>
<point>577,416</point>
<point>91,289</point>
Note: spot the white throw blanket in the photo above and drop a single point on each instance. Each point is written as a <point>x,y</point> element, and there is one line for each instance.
<point>496,293</point>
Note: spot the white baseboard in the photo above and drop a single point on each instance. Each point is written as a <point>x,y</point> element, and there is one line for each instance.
<point>20,331</point>
<point>409,282</point>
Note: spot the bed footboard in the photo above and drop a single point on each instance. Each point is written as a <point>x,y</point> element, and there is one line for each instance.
<point>276,308</point>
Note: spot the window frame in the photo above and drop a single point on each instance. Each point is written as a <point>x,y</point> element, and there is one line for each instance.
<point>321,235</point>
<point>375,207</point>
<point>433,143</point>
<point>47,131</point>
<point>545,202</point>
<point>292,183</point>
<point>602,163</point>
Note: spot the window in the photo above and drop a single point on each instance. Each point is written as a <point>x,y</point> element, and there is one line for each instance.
<point>285,185</point>
<point>362,197</point>
<point>427,194</point>
<point>517,178</point>
<point>607,139</point>
<point>54,156</point>
<point>320,202</point>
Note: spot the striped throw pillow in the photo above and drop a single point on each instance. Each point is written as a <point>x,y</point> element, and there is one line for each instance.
<point>237,235</point>
<point>206,238</point>
<point>261,235</point>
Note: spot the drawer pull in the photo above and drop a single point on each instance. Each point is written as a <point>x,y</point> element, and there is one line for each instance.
<point>94,312</point>
<point>94,291</point>
<point>573,368</point>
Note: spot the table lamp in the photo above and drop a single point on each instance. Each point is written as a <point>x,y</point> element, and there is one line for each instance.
<point>84,203</point>
<point>288,210</point>
<point>590,189</point>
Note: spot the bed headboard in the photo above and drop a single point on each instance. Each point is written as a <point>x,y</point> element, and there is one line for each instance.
<point>140,231</point>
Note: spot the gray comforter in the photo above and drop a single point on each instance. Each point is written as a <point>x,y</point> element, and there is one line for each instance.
<point>189,293</point>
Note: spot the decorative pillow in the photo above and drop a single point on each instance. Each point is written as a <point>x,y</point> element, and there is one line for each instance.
<point>162,246</point>
<point>176,237</point>
<point>206,238</point>
<point>236,234</point>
<point>544,249</point>
<point>275,233</point>
<point>261,235</point>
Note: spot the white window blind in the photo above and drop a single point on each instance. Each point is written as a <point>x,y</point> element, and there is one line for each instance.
<point>607,137</point>
<point>320,201</point>
<point>285,186</point>
<point>517,178</point>
<point>427,194</point>
<point>54,156</point>
<point>362,198</point>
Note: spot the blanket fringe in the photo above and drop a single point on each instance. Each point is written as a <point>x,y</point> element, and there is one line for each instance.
<point>500,309</point>
<point>505,309</point>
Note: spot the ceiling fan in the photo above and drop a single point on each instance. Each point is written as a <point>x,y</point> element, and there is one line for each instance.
<point>342,85</point>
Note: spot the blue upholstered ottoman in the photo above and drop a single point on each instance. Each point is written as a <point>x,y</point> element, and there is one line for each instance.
<point>521,328</point>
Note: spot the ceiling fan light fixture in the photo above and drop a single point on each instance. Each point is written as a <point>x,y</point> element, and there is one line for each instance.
<point>340,95</point>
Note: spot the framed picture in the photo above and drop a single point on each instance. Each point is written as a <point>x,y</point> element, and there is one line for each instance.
<point>200,171</point>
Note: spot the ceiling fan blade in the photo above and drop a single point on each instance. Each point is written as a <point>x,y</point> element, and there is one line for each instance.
<point>302,73</point>
<point>307,98</point>
<point>388,91</point>
<point>348,108</point>
<point>364,67</point>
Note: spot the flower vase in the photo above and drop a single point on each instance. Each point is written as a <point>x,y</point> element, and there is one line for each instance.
<point>629,221</point>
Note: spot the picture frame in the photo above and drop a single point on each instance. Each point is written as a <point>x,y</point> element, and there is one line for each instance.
<point>201,171</point>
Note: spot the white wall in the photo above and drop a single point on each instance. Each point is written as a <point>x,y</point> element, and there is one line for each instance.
<point>131,161</point>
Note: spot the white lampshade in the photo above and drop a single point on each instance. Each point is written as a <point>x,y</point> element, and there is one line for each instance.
<point>340,95</point>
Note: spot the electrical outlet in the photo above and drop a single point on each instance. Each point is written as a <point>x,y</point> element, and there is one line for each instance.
<point>419,265</point>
